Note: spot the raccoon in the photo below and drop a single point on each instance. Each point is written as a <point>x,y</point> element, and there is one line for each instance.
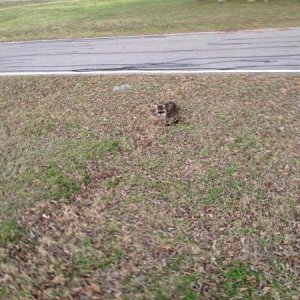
<point>171,111</point>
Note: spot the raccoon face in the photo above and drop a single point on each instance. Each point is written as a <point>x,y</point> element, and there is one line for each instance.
<point>161,109</point>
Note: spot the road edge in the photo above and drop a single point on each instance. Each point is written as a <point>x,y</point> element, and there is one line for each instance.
<point>149,35</point>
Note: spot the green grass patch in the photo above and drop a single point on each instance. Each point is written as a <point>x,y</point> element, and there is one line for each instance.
<point>241,278</point>
<point>222,186</point>
<point>86,262</point>
<point>9,232</point>
<point>27,20</point>
<point>61,186</point>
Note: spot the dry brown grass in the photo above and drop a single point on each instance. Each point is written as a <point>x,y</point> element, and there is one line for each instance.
<point>206,209</point>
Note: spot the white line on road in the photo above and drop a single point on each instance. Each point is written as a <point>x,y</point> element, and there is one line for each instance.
<point>156,72</point>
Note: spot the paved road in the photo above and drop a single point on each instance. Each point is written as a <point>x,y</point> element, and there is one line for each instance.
<point>245,50</point>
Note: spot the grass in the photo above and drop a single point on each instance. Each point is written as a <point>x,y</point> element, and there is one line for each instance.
<point>99,199</point>
<point>9,232</point>
<point>30,20</point>
<point>238,277</point>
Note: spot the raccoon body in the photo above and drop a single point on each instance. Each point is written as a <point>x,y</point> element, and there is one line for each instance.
<point>171,111</point>
<point>172,120</point>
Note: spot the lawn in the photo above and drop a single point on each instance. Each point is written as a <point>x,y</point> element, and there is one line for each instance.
<point>28,20</point>
<point>99,199</point>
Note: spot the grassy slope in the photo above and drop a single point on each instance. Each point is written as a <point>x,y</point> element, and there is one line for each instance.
<point>127,208</point>
<point>70,19</point>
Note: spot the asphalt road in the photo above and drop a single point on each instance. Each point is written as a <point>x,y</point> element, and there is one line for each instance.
<point>270,49</point>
